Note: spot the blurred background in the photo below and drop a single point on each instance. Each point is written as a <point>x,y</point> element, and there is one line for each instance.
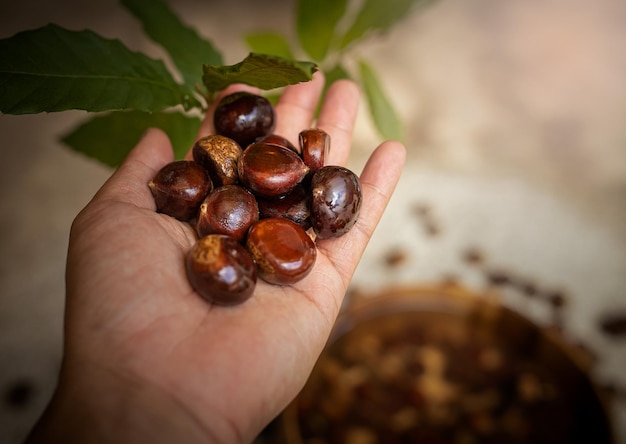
<point>514,119</point>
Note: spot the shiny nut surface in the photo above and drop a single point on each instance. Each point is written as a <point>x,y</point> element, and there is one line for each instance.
<point>336,201</point>
<point>293,206</point>
<point>179,188</point>
<point>221,270</point>
<point>283,252</point>
<point>276,139</point>
<point>314,145</point>
<point>230,209</point>
<point>244,117</point>
<point>219,156</point>
<point>270,170</point>
<point>250,194</point>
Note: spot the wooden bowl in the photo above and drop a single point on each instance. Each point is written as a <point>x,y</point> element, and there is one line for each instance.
<point>443,365</point>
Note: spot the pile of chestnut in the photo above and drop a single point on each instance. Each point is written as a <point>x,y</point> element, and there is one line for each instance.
<point>257,201</point>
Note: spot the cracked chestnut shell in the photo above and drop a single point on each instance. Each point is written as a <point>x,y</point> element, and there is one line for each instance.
<point>335,201</point>
<point>244,117</point>
<point>179,188</point>
<point>283,252</point>
<point>219,156</point>
<point>229,209</point>
<point>221,270</point>
<point>270,170</point>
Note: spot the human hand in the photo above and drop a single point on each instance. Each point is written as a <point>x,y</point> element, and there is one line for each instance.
<point>147,359</point>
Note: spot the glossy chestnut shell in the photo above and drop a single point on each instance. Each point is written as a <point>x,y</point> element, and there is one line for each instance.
<point>244,117</point>
<point>293,206</point>
<point>179,188</point>
<point>276,139</point>
<point>221,270</point>
<point>283,252</point>
<point>219,156</point>
<point>229,209</point>
<point>314,145</point>
<point>270,170</point>
<point>336,201</point>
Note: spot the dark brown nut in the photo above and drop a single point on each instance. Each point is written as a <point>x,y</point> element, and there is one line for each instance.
<point>219,155</point>
<point>293,206</point>
<point>179,188</point>
<point>283,252</point>
<point>221,270</point>
<point>336,201</point>
<point>270,170</point>
<point>275,139</point>
<point>244,117</point>
<point>314,145</point>
<point>230,209</point>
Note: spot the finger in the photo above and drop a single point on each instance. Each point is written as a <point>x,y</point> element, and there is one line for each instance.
<point>129,183</point>
<point>337,118</point>
<point>378,180</point>
<point>296,107</point>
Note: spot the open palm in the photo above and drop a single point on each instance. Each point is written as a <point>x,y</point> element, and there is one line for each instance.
<point>146,357</point>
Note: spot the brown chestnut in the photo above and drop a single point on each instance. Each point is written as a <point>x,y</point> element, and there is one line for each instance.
<point>230,209</point>
<point>276,139</point>
<point>219,156</point>
<point>283,252</point>
<point>221,270</point>
<point>179,188</point>
<point>270,170</point>
<point>336,201</point>
<point>293,206</point>
<point>244,117</point>
<point>314,145</point>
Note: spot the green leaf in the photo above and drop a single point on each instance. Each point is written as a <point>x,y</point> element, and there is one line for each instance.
<point>187,49</point>
<point>109,137</point>
<point>383,114</point>
<point>378,15</point>
<point>259,70</point>
<point>53,69</point>
<point>273,97</point>
<point>316,21</point>
<point>269,43</point>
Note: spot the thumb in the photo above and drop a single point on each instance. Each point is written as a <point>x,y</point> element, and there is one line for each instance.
<point>129,183</point>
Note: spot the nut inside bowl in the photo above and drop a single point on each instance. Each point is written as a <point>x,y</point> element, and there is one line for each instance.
<point>443,365</point>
